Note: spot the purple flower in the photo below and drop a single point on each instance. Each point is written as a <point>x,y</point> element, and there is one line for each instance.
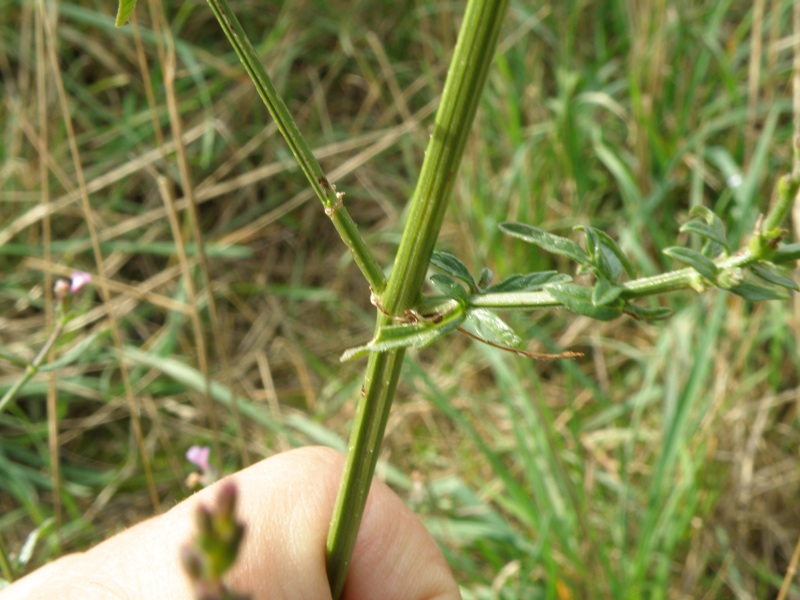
<point>78,280</point>
<point>199,455</point>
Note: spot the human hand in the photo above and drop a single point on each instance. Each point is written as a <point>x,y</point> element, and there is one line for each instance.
<point>286,503</point>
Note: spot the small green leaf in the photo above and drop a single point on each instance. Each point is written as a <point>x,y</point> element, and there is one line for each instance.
<point>704,231</point>
<point>786,253</point>
<point>547,241</point>
<point>607,257</point>
<point>772,277</point>
<point>755,292</point>
<point>451,289</point>
<point>403,335</point>
<point>647,314</point>
<point>605,293</point>
<point>488,326</point>
<point>708,225</point>
<point>124,12</point>
<point>453,266</point>
<point>485,278</point>
<point>529,282</point>
<point>610,247</point>
<point>699,262</point>
<point>578,299</point>
<point>605,264</point>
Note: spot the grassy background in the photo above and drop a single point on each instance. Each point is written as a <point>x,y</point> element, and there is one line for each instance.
<point>662,465</point>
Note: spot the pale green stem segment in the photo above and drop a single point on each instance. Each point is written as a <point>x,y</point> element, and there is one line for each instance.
<point>680,279</point>
<point>762,247</point>
<point>788,187</point>
<point>33,367</point>
<point>324,189</point>
<point>473,55</point>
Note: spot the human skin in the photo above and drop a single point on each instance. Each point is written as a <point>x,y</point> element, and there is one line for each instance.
<point>286,503</point>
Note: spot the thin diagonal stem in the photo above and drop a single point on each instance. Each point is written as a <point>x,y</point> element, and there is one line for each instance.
<point>325,190</point>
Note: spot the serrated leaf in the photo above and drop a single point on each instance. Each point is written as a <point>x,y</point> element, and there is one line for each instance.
<point>453,266</point>
<point>448,286</point>
<point>578,299</point>
<point>772,277</point>
<point>699,262</point>
<point>554,244</point>
<point>403,335</point>
<point>529,282</point>
<point>488,326</point>
<point>648,314</point>
<point>755,292</point>
<point>605,293</point>
<point>124,12</point>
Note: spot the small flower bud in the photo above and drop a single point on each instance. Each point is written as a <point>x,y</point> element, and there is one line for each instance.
<point>61,289</point>
<point>226,499</point>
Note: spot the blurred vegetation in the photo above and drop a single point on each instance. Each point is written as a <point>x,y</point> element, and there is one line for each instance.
<point>662,465</point>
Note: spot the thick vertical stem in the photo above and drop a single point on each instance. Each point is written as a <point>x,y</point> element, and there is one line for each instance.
<point>471,60</point>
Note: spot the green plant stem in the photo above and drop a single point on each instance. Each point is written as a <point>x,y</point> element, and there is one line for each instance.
<point>33,367</point>
<point>325,190</point>
<point>788,187</point>
<point>473,55</point>
<point>680,279</point>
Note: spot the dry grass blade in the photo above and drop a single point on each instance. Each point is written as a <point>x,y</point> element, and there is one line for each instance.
<point>51,42</point>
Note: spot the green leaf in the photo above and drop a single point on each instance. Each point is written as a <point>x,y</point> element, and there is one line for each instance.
<point>403,335</point>
<point>699,262</point>
<point>453,266</point>
<point>605,293</point>
<point>124,12</point>
<point>787,253</point>
<point>755,292</point>
<point>647,314</point>
<point>708,225</point>
<point>529,282</point>
<point>602,267</point>
<point>547,241</point>
<point>772,277</point>
<point>451,289</point>
<point>488,326</point>
<point>485,278</point>
<point>606,254</point>
<point>578,299</point>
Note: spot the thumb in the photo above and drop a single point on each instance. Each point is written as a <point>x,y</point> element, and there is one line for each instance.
<point>286,503</point>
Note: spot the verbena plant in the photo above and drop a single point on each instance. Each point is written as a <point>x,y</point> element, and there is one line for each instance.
<point>468,302</point>
<point>407,319</point>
